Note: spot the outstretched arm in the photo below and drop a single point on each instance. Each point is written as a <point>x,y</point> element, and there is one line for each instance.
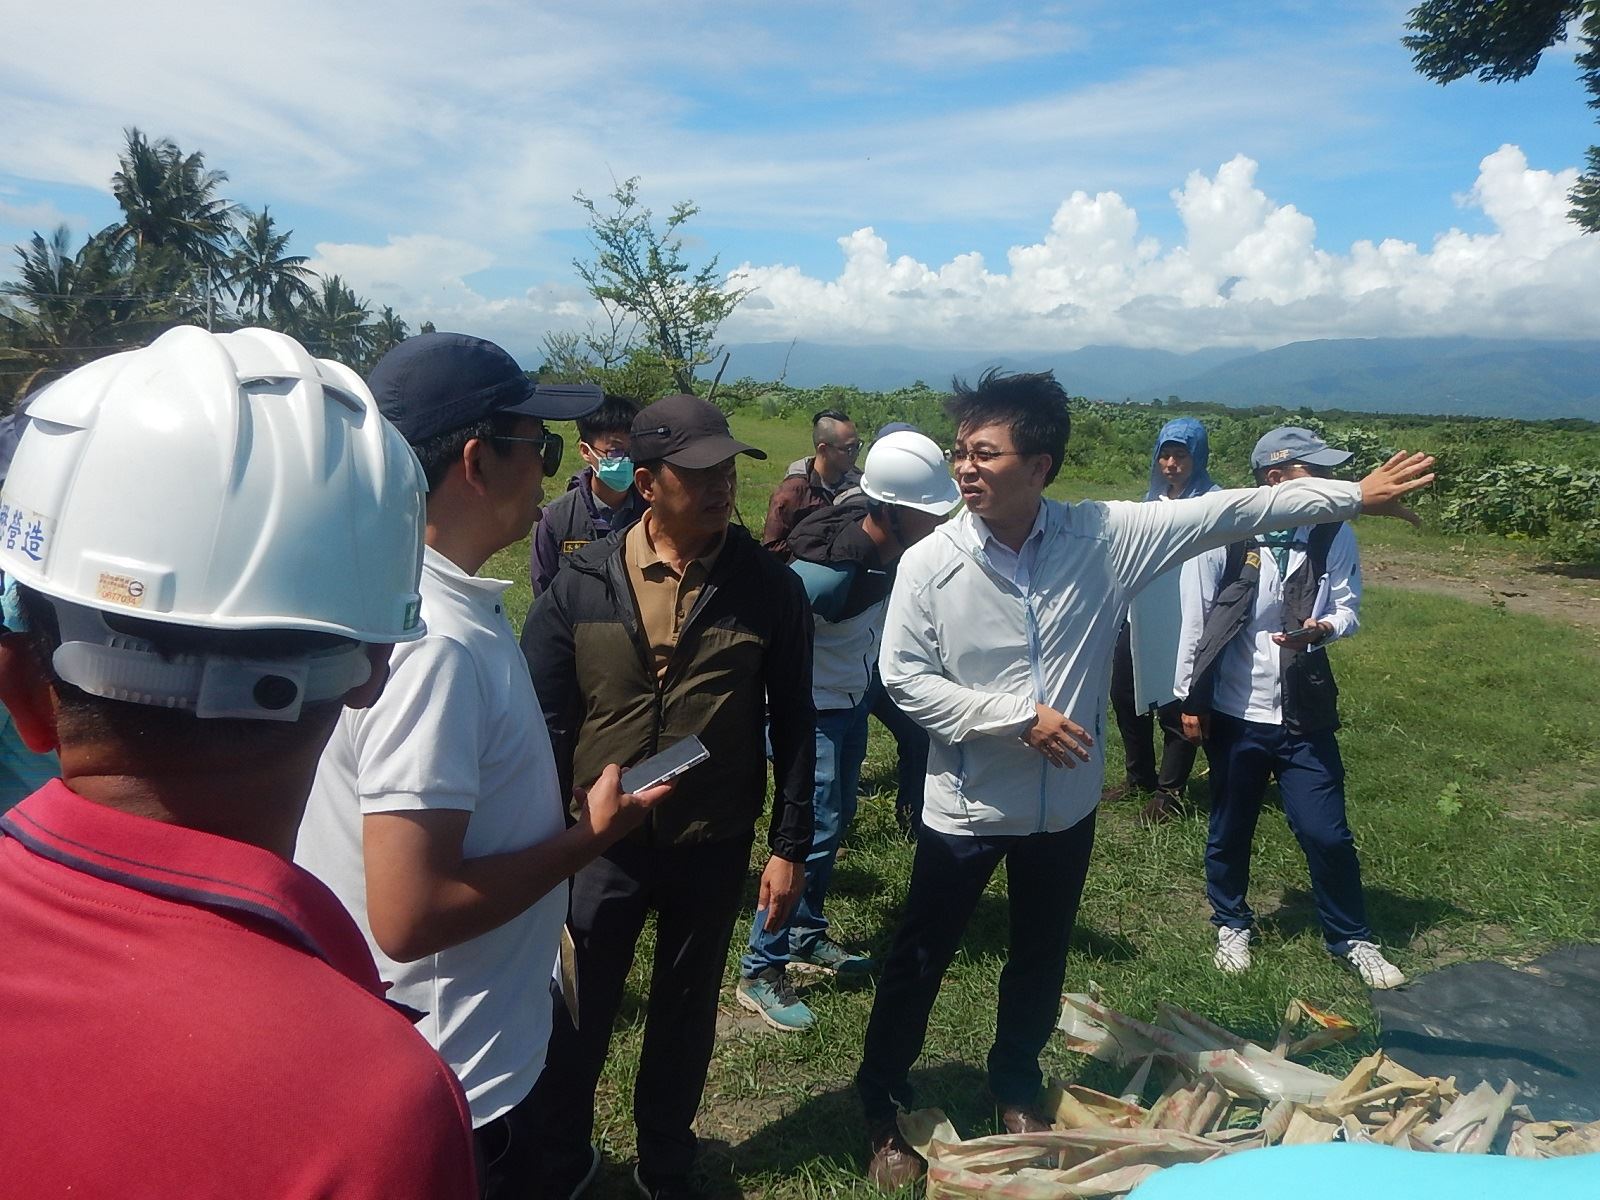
<point>1146,539</point>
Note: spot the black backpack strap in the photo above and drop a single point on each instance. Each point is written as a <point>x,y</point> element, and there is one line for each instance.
<point>1231,610</point>
<point>1318,545</point>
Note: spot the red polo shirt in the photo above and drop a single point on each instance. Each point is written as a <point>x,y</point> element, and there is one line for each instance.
<point>185,1015</point>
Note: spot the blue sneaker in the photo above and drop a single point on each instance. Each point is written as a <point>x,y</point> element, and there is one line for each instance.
<point>771,998</point>
<point>827,955</point>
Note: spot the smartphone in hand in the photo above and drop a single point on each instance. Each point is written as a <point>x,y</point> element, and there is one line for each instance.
<point>669,764</point>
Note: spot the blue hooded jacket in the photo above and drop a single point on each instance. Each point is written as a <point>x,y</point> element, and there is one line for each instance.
<point>1190,433</point>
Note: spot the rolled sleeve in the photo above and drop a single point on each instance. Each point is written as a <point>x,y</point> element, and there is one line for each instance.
<point>419,747</point>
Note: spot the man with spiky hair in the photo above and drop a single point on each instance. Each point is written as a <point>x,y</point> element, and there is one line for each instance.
<point>998,640</point>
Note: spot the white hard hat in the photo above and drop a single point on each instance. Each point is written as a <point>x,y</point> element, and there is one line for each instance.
<point>907,468</point>
<point>217,482</point>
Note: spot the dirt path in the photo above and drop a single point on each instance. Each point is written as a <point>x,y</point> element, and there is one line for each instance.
<point>1499,581</point>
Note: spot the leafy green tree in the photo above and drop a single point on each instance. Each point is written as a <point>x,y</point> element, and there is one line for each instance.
<point>384,334</point>
<point>647,289</point>
<point>335,323</point>
<point>169,201</point>
<point>1503,40</point>
<point>65,308</point>
<point>268,281</point>
<point>163,264</point>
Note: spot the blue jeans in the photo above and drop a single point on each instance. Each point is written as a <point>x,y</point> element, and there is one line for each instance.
<point>841,747</point>
<point>1244,756</point>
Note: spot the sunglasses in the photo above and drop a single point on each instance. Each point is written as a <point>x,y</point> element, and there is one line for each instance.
<point>551,446</point>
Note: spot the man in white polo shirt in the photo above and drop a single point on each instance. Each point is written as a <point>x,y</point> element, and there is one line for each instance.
<point>436,815</point>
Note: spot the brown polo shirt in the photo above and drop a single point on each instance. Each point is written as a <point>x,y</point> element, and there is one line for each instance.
<point>663,596</point>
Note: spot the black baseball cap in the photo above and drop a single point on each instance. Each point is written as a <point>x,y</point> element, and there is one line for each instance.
<point>686,431</point>
<point>436,382</point>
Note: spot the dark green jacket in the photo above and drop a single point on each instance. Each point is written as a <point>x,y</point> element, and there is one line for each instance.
<point>744,651</point>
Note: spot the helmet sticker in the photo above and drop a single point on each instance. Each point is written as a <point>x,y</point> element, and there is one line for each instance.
<point>125,590</point>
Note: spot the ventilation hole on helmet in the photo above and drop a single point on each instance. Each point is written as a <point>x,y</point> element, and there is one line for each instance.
<point>274,692</point>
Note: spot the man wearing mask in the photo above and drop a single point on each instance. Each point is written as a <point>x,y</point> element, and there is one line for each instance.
<point>1177,471</point>
<point>1258,617</point>
<point>599,499</point>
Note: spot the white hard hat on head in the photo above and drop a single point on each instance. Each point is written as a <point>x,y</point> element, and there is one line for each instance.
<point>215,482</point>
<point>907,468</point>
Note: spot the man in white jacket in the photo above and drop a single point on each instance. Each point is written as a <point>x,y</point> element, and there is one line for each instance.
<point>998,641</point>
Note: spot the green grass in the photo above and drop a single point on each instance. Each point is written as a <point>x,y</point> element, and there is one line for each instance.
<point>1470,740</point>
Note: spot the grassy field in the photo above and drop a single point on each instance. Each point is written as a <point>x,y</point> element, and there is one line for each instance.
<point>1470,738</point>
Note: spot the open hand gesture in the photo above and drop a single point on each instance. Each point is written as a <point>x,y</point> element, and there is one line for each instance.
<point>1402,474</point>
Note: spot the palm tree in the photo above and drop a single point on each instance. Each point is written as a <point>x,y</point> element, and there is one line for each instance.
<point>335,323</point>
<point>387,332</point>
<point>169,201</point>
<point>65,308</point>
<point>265,278</point>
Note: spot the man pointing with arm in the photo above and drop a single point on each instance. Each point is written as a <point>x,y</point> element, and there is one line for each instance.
<point>998,641</point>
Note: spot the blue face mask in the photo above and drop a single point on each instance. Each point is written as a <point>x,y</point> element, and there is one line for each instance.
<point>615,473</point>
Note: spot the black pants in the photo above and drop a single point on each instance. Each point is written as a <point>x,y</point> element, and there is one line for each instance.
<point>1045,873</point>
<point>1177,753</point>
<point>695,892</point>
<point>505,1153</point>
<point>911,748</point>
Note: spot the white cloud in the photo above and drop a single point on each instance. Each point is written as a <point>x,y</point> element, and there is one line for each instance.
<point>1249,271</point>
<point>454,137</point>
<point>1008,39</point>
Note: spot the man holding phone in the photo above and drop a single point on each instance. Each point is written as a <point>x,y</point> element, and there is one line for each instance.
<point>436,815</point>
<point>679,625</point>
<point>1259,692</point>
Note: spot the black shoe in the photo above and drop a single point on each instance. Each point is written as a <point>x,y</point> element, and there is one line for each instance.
<point>1163,806</point>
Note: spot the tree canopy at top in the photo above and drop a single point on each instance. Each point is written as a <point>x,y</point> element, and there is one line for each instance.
<point>1502,41</point>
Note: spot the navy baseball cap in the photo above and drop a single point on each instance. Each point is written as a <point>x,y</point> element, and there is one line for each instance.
<point>1293,444</point>
<point>436,382</point>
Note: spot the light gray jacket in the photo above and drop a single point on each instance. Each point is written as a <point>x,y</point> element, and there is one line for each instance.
<point>967,653</point>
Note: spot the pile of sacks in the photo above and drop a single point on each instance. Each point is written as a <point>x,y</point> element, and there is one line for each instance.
<point>1222,1094</point>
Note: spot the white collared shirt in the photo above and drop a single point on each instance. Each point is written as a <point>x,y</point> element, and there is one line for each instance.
<point>1249,676</point>
<point>457,727</point>
<point>1015,565</point>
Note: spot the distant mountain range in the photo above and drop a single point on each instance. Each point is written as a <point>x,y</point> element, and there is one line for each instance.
<point>1465,376</point>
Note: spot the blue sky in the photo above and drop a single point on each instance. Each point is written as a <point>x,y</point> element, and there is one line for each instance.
<point>1249,173</point>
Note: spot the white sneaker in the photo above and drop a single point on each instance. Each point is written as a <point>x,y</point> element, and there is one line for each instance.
<point>1367,961</point>
<point>1233,950</point>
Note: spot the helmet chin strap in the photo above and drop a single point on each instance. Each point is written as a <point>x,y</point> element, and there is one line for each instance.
<point>117,666</point>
